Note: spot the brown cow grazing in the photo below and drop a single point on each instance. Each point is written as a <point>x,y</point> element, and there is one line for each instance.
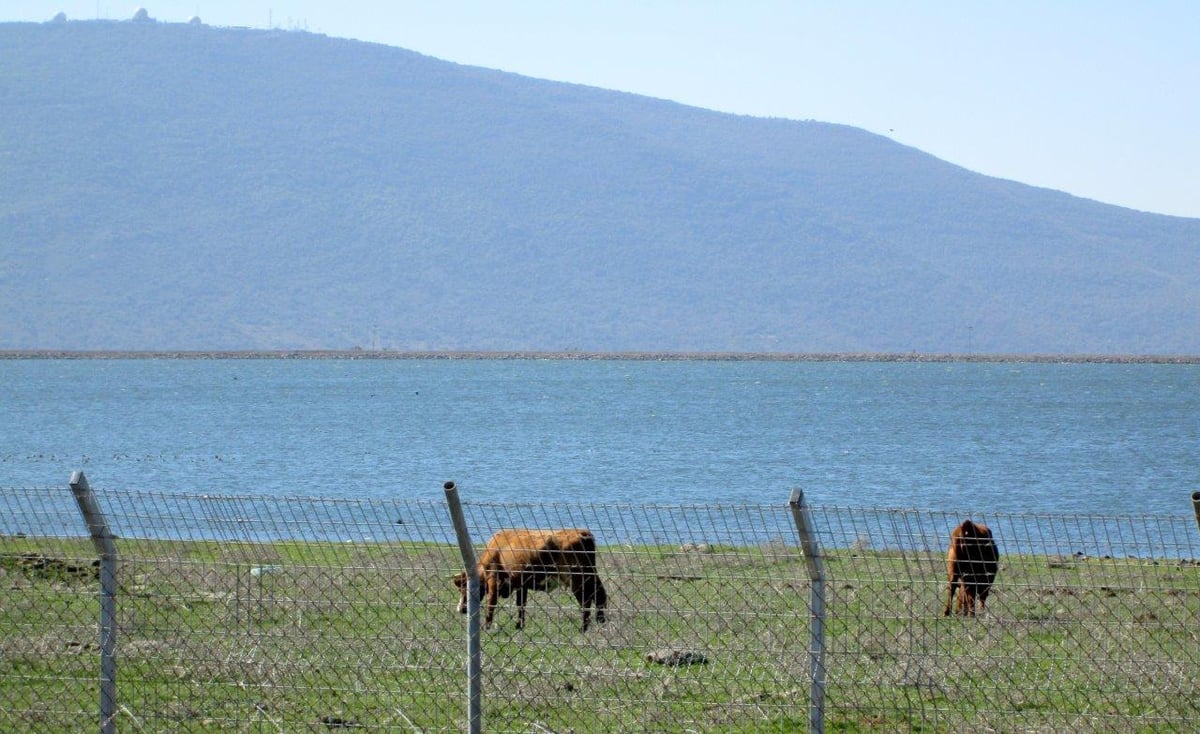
<point>517,561</point>
<point>971,564</point>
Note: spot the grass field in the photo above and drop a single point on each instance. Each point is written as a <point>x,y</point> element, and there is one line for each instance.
<point>284,637</point>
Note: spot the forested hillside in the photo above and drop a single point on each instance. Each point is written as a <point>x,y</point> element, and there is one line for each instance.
<point>176,186</point>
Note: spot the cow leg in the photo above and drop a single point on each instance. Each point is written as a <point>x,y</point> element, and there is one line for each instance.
<point>521,596</point>
<point>601,598</point>
<point>492,593</point>
<point>968,600</point>
<point>583,595</point>
<point>979,594</point>
<point>949,598</point>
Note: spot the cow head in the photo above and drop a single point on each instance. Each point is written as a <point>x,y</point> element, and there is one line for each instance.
<point>503,588</point>
<point>460,582</point>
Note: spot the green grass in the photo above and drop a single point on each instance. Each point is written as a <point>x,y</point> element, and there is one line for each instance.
<point>338,634</point>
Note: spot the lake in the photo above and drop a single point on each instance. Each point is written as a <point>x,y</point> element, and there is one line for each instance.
<point>990,437</point>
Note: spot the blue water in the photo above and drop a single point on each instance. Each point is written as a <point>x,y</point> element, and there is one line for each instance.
<point>980,437</point>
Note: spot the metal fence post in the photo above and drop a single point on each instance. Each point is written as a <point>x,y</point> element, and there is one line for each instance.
<point>1196,506</point>
<point>102,539</point>
<point>474,648</point>
<point>816,575</point>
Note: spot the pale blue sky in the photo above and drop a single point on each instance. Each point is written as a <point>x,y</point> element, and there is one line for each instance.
<point>1099,98</point>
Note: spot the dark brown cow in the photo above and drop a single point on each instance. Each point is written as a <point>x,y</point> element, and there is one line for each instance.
<point>517,561</point>
<point>971,564</point>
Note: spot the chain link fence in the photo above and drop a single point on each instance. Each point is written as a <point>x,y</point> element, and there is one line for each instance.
<point>257,614</point>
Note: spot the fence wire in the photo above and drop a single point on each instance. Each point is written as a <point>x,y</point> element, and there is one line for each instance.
<point>707,625</point>
<point>300,614</point>
<point>49,645</point>
<point>239,614</point>
<point>1091,625</point>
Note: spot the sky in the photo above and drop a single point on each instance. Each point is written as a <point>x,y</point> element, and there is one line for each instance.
<point>1098,98</point>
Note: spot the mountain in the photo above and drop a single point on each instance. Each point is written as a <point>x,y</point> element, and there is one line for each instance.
<point>179,186</point>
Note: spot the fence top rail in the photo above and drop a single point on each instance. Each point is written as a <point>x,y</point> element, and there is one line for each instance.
<point>266,518</point>
<point>438,498</point>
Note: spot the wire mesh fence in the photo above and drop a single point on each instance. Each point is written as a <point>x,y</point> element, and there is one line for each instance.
<point>298,614</point>
<point>1091,625</point>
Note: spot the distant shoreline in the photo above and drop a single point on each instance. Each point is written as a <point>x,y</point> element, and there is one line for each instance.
<point>367,354</point>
